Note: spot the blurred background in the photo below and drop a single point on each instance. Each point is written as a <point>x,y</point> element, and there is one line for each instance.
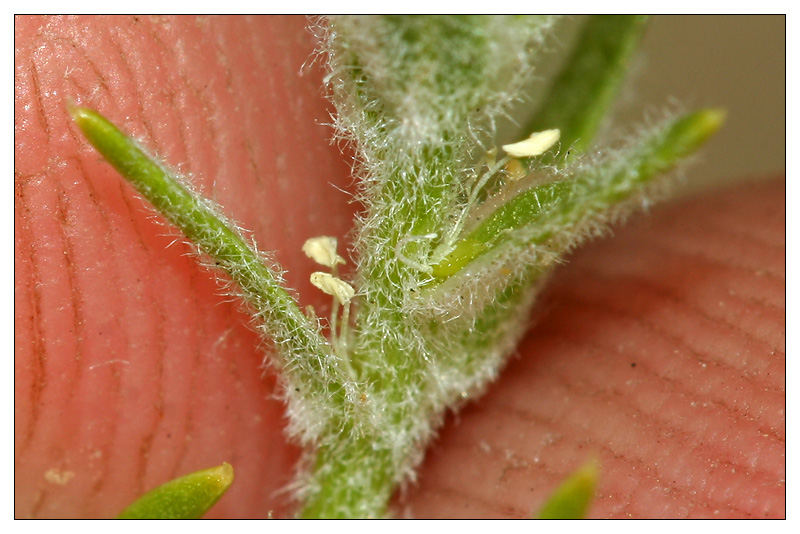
<point>737,62</point>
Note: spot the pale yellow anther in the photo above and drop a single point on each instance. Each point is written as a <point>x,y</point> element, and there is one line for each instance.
<point>538,143</point>
<point>341,290</point>
<point>322,250</point>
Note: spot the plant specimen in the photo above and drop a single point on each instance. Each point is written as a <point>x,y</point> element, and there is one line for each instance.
<point>455,238</point>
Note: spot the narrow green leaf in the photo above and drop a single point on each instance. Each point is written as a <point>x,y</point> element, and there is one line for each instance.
<point>186,210</point>
<point>572,498</point>
<point>584,90</point>
<point>556,207</point>
<point>294,334</point>
<point>187,497</point>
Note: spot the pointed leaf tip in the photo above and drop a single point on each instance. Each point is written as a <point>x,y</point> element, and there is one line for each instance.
<point>84,117</point>
<point>697,127</point>
<point>685,136</point>
<point>187,497</point>
<point>572,498</point>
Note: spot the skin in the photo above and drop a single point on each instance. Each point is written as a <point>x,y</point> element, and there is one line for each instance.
<point>660,350</point>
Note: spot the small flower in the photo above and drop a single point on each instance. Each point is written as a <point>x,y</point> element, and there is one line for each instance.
<point>535,145</point>
<point>322,250</point>
<point>341,290</point>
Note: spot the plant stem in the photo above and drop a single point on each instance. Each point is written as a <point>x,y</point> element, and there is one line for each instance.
<point>351,480</point>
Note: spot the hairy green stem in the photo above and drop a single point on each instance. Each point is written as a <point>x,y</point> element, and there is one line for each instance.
<point>350,480</point>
